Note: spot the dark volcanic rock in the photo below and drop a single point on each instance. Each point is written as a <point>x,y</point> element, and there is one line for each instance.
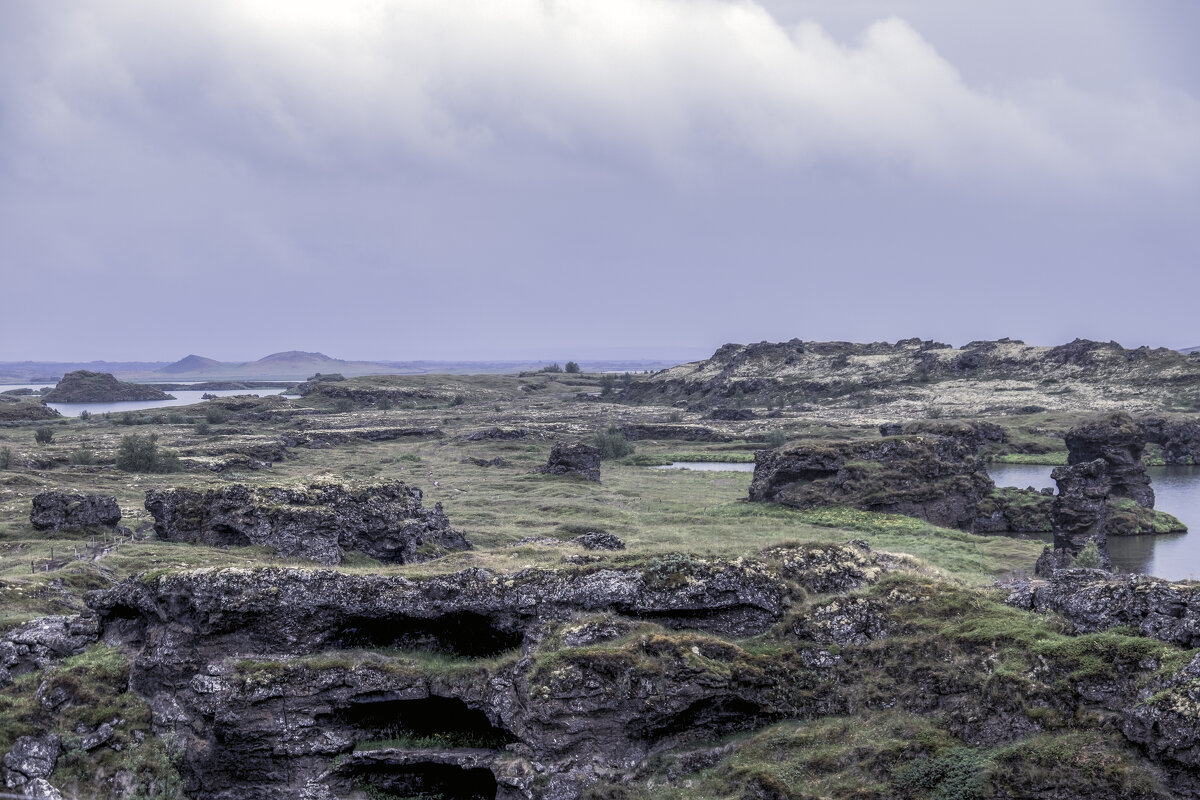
<point>57,510</point>
<point>599,540</point>
<point>30,758</point>
<point>320,522</point>
<point>936,478</point>
<point>37,643</point>
<point>274,723</point>
<point>499,434</point>
<point>1120,442</point>
<point>1081,509</point>
<point>13,410</point>
<point>639,431</point>
<point>1180,440</point>
<point>1094,600</point>
<point>82,386</point>
<point>732,414</point>
<point>573,458</point>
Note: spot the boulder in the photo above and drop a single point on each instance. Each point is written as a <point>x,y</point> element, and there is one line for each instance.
<point>573,458</point>
<point>599,540</point>
<point>30,758</point>
<point>38,643</point>
<point>57,510</point>
<point>319,523</point>
<point>935,478</point>
<point>1081,509</point>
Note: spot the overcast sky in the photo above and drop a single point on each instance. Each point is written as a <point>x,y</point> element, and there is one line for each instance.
<point>537,178</point>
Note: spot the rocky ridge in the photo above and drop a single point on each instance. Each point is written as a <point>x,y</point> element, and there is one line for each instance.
<point>83,386</point>
<point>320,522</point>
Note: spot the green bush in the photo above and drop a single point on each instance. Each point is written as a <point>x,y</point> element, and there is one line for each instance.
<point>552,368</point>
<point>202,427</point>
<point>215,415</point>
<point>573,367</point>
<point>142,454</point>
<point>775,439</point>
<point>6,458</point>
<point>457,400</point>
<point>612,444</point>
<point>84,456</point>
<point>85,415</point>
<point>43,435</point>
<point>1088,557</point>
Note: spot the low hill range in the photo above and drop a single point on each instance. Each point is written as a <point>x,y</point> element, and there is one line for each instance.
<point>292,365</point>
<point>915,376</point>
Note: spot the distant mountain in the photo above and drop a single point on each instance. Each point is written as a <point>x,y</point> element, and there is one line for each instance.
<point>192,364</point>
<point>1195,349</point>
<point>297,358</point>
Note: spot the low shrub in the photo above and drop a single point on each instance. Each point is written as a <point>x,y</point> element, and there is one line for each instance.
<point>142,454</point>
<point>612,444</point>
<point>43,435</point>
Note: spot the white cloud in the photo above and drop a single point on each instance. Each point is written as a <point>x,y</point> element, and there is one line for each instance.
<point>672,84</point>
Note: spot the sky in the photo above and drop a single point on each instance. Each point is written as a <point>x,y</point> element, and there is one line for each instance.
<point>629,178</point>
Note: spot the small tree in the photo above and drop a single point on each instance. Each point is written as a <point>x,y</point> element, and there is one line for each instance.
<point>552,368</point>
<point>1088,557</point>
<point>142,454</point>
<point>6,458</point>
<point>573,367</point>
<point>43,435</point>
<point>612,443</point>
<point>607,382</point>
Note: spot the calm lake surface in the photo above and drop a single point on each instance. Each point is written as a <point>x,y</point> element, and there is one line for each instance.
<point>709,466</point>
<point>1176,491</point>
<point>183,397</point>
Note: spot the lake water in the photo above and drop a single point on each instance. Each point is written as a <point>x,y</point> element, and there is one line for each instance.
<point>183,397</point>
<point>1173,556</point>
<point>709,466</point>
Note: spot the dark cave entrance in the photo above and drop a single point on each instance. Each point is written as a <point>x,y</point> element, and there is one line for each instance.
<point>464,634</point>
<point>429,780</point>
<point>429,722</point>
<point>713,716</point>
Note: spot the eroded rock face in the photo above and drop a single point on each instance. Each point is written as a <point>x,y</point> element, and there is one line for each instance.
<point>57,510</point>
<point>305,687</point>
<point>37,643</point>
<point>1180,439</point>
<point>319,523</point>
<point>573,458</point>
<point>1120,443</point>
<point>1094,600</point>
<point>1081,508</point>
<point>936,478</point>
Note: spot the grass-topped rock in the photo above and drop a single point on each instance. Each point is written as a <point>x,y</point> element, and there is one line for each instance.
<point>320,522</point>
<point>84,386</point>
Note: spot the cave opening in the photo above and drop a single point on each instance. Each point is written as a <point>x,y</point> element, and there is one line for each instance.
<point>465,634</point>
<point>433,722</point>
<point>713,716</point>
<point>428,780</point>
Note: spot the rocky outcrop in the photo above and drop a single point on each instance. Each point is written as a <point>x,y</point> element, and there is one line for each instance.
<point>1094,600</point>
<point>14,410</point>
<point>1179,439</point>
<point>82,386</point>
<point>58,510</point>
<point>973,433</point>
<point>573,458</point>
<point>599,540</point>
<point>638,431</point>
<point>496,434</point>
<point>319,523</point>
<point>1120,443</point>
<point>318,674</point>
<point>1010,510</point>
<point>1081,509</point>
<point>318,439</point>
<point>935,478</point>
<point>36,644</point>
